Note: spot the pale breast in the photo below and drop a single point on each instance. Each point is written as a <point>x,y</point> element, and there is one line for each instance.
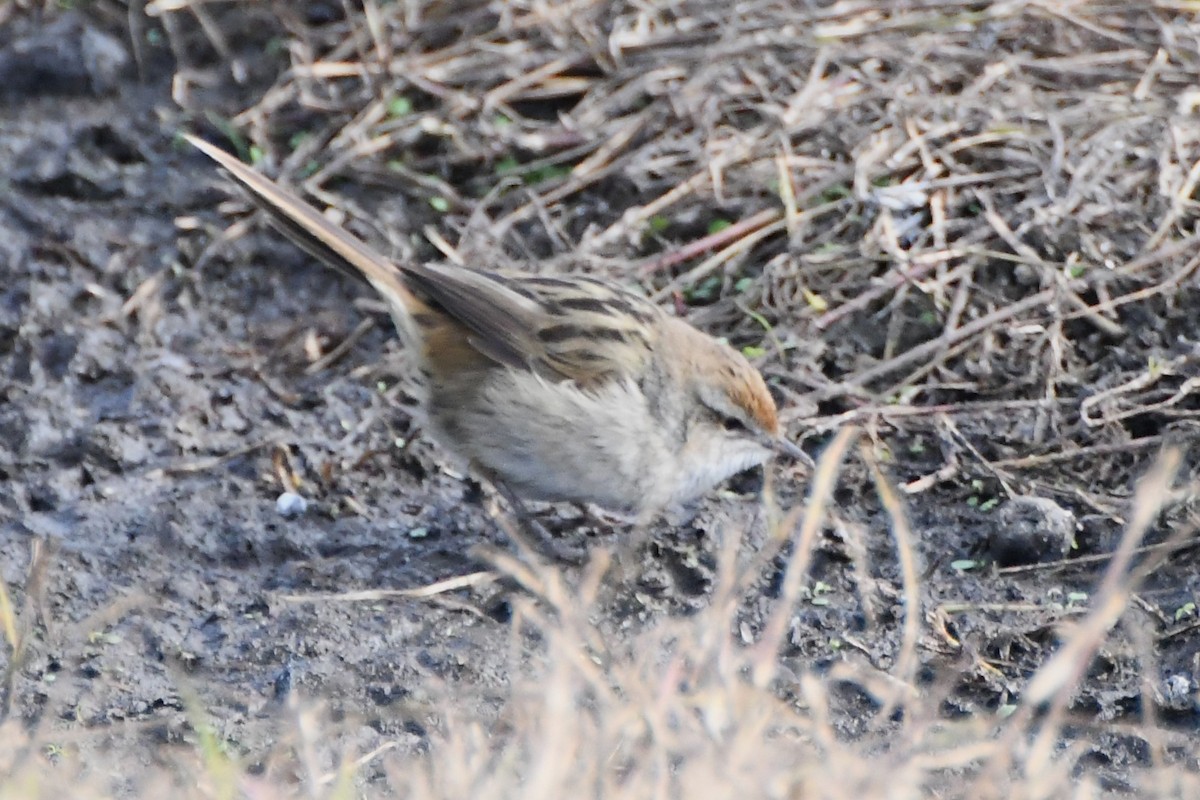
<point>557,442</point>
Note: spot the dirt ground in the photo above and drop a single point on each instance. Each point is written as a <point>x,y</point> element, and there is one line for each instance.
<point>160,388</point>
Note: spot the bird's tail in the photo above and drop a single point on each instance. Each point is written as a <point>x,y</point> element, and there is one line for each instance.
<point>309,230</point>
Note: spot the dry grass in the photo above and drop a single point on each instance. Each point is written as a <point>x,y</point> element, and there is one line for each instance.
<point>685,708</point>
<point>936,217</point>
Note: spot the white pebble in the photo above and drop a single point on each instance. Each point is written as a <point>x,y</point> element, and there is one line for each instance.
<point>290,504</point>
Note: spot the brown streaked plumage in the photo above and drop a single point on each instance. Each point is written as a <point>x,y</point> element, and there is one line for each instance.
<point>556,388</point>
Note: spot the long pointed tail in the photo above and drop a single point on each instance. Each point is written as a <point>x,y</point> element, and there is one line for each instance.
<point>309,230</point>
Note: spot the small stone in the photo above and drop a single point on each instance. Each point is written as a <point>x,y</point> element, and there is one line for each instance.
<point>291,505</point>
<point>1031,530</point>
<point>1177,693</point>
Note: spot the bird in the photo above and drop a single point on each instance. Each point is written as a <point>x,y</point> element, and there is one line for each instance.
<point>565,388</point>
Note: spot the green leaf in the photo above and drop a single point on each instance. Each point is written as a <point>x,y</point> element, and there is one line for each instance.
<point>705,290</point>
<point>547,173</point>
<point>439,204</point>
<point>506,165</point>
<point>815,301</point>
<point>399,106</point>
<point>835,193</point>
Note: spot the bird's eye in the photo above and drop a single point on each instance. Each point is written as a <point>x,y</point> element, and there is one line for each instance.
<point>733,424</point>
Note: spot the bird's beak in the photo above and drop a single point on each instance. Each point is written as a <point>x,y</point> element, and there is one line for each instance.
<point>783,447</point>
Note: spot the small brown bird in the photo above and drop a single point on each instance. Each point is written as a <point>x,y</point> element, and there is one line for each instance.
<point>556,388</point>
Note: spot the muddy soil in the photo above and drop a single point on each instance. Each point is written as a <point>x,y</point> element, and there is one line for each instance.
<point>156,397</point>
